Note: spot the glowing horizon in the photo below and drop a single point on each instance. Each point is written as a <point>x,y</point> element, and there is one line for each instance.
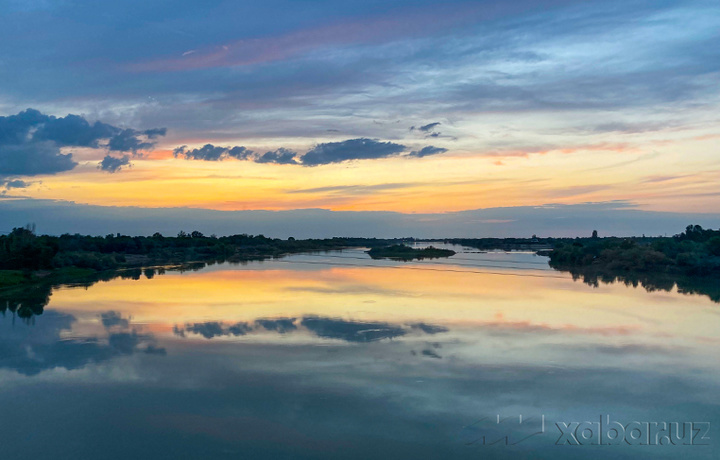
<point>356,107</point>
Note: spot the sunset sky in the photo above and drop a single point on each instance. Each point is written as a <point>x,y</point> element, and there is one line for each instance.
<point>416,108</point>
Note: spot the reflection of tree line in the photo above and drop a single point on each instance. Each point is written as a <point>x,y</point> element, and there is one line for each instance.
<point>593,276</point>
<point>28,300</point>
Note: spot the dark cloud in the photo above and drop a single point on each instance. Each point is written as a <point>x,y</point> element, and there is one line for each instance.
<point>155,132</point>
<point>280,156</point>
<point>33,158</point>
<point>73,131</point>
<point>429,127</point>
<point>127,140</point>
<point>321,154</point>
<point>13,183</point>
<point>30,142</point>
<point>210,152</point>
<point>352,149</point>
<point>113,164</point>
<point>427,151</point>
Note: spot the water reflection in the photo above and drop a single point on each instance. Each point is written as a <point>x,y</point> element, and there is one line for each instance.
<point>323,327</point>
<point>288,359</point>
<point>31,350</point>
<point>709,286</point>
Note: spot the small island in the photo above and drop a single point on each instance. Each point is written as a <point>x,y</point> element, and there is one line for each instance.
<point>406,253</point>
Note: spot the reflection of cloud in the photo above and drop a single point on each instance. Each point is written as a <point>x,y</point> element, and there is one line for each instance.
<point>208,330</point>
<point>239,329</point>
<point>431,354</point>
<point>281,325</point>
<point>124,342</point>
<point>513,327</point>
<point>328,328</point>
<point>635,348</point>
<point>31,349</point>
<point>113,318</point>
<point>351,331</point>
<point>429,328</point>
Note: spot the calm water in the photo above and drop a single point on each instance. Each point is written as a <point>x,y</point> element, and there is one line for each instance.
<point>339,356</point>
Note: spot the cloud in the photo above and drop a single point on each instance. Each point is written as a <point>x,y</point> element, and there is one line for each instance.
<point>127,141</point>
<point>352,149</point>
<point>429,127</point>
<point>321,154</point>
<point>210,152</point>
<point>33,158</point>
<point>113,164</point>
<point>71,131</point>
<point>427,151</point>
<point>280,156</point>
<point>13,183</point>
<point>357,190</point>
<point>31,142</point>
<point>155,132</point>
<point>619,218</point>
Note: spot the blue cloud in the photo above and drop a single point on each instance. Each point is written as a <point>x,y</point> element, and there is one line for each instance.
<point>210,152</point>
<point>353,149</point>
<point>427,151</point>
<point>30,142</point>
<point>113,164</point>
<point>280,156</point>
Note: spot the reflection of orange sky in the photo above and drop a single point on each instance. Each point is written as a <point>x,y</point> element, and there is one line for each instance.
<point>392,295</point>
<point>659,178</point>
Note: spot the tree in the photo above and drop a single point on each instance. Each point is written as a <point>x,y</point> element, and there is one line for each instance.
<point>594,234</point>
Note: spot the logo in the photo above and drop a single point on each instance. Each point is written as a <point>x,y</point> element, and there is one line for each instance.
<point>513,430</point>
<point>508,431</point>
<point>607,433</point>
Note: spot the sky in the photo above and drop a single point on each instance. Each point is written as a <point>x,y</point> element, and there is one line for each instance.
<point>458,118</point>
